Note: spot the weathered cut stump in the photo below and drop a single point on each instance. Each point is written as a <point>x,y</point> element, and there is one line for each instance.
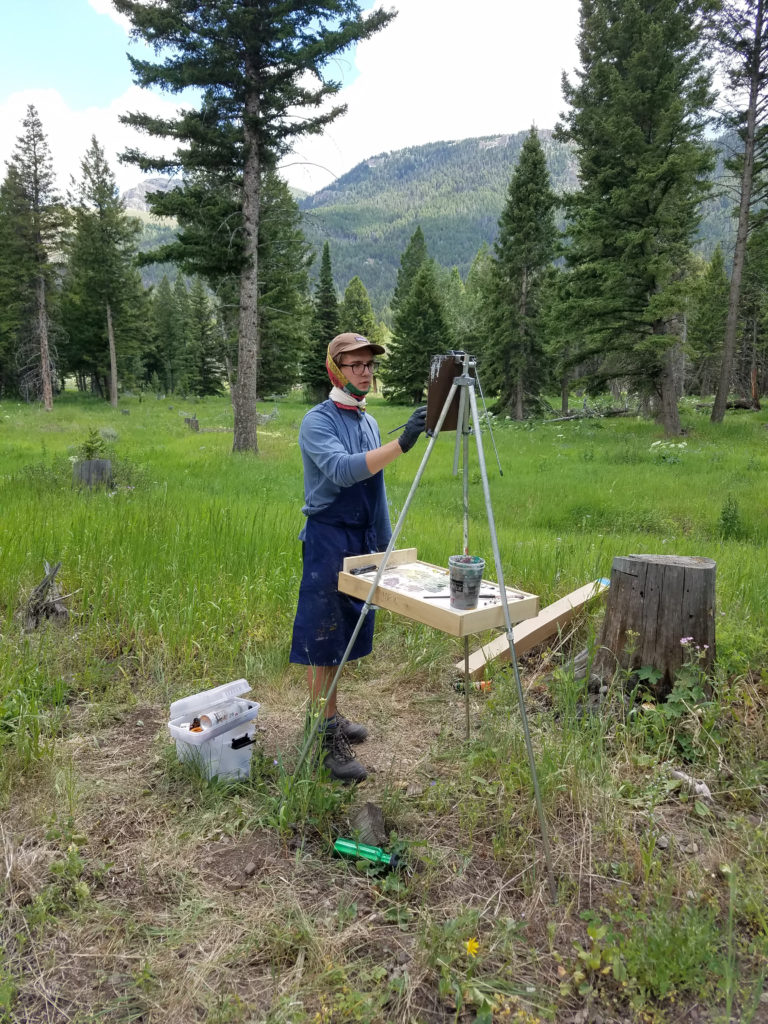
<point>93,472</point>
<point>45,602</point>
<point>192,423</point>
<point>660,607</point>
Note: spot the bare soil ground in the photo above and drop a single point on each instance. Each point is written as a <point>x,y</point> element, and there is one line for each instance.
<point>129,896</point>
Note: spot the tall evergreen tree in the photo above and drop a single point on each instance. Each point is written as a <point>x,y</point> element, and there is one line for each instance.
<point>204,365</point>
<point>750,373</point>
<point>167,358</point>
<point>98,282</point>
<point>32,163</point>
<point>356,312</point>
<point>285,311</point>
<point>524,249</point>
<point>706,323</point>
<point>477,295</point>
<point>181,338</point>
<point>325,327</point>
<point>17,273</point>
<point>637,121</point>
<point>743,41</point>
<point>413,258</point>
<point>261,66</point>
<point>455,307</point>
<point>420,333</point>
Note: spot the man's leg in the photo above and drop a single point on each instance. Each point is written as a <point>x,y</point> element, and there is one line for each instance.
<point>319,678</point>
<point>339,759</point>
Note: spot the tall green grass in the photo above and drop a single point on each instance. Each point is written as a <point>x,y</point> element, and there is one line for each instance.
<point>191,565</point>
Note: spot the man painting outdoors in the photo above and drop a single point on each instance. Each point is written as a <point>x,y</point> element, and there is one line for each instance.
<point>346,508</point>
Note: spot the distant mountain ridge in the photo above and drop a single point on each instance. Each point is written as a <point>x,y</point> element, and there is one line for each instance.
<point>136,198</point>
<point>454,190</point>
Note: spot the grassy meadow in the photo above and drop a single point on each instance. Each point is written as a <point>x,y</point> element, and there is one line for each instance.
<point>133,890</point>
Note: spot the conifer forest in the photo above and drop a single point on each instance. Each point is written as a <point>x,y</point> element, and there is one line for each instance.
<point>625,253</point>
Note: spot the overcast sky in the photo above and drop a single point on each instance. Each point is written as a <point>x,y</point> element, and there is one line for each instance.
<point>442,70</point>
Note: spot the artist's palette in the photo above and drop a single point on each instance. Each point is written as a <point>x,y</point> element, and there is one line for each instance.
<point>420,591</point>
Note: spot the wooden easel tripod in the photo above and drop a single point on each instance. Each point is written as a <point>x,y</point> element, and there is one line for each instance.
<point>468,421</point>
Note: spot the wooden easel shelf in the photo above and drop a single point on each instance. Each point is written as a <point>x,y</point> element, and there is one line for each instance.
<point>420,591</point>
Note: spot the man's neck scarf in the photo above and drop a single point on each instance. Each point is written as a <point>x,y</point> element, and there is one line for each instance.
<point>343,393</point>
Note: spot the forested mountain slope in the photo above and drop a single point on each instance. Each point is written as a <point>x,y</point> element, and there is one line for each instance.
<point>455,191</point>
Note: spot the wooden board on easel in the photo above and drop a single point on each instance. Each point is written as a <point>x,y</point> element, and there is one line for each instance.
<point>420,591</point>
<point>535,630</point>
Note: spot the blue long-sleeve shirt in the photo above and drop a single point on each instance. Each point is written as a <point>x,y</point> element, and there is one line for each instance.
<point>333,444</point>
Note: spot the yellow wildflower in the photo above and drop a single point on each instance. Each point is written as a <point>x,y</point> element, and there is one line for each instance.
<point>472,946</point>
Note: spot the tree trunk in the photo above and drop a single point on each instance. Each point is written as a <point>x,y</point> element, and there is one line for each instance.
<point>661,610</point>
<point>112,360</point>
<point>742,230</point>
<point>245,392</point>
<point>519,411</point>
<point>668,412</point>
<point>45,355</point>
<point>564,396</point>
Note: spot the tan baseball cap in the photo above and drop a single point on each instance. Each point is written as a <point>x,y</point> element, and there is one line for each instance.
<point>349,342</point>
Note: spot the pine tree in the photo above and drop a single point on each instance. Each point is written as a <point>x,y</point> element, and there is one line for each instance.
<point>324,327</point>
<point>637,122</point>
<point>181,338</point>
<point>356,312</point>
<point>285,310</point>
<point>32,163</point>
<point>167,357</point>
<point>477,296</point>
<point>17,274</point>
<point>706,322</point>
<point>456,308</point>
<point>260,66</point>
<point>420,333</point>
<point>750,371</point>
<point>524,249</point>
<point>411,261</point>
<point>743,39</point>
<point>102,249</point>
<point>204,365</point>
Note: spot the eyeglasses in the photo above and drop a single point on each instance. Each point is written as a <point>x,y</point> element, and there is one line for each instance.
<point>371,367</point>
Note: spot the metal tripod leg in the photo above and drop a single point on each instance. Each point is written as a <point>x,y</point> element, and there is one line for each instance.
<point>382,566</point>
<point>513,655</point>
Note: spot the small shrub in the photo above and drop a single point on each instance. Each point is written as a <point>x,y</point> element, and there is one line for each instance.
<point>730,519</point>
<point>93,447</point>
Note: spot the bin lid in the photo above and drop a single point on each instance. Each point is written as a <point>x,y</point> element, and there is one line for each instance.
<point>206,698</point>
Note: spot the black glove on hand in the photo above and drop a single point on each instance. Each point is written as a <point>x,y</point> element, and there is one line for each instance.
<point>414,428</point>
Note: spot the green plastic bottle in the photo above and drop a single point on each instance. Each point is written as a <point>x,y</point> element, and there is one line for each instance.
<point>361,851</point>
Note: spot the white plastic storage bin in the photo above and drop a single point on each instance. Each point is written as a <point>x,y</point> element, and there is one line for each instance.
<point>222,748</point>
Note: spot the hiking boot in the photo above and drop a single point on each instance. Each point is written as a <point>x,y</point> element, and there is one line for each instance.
<point>339,759</point>
<point>354,731</point>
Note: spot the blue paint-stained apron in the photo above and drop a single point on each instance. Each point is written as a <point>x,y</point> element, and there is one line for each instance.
<point>326,618</point>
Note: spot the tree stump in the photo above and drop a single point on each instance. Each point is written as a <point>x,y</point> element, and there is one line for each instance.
<point>45,602</point>
<point>92,472</point>
<point>192,423</point>
<point>659,608</point>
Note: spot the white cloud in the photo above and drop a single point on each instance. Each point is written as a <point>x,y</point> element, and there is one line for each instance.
<point>105,7</point>
<point>439,71</point>
<point>69,131</point>
<point>442,70</point>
